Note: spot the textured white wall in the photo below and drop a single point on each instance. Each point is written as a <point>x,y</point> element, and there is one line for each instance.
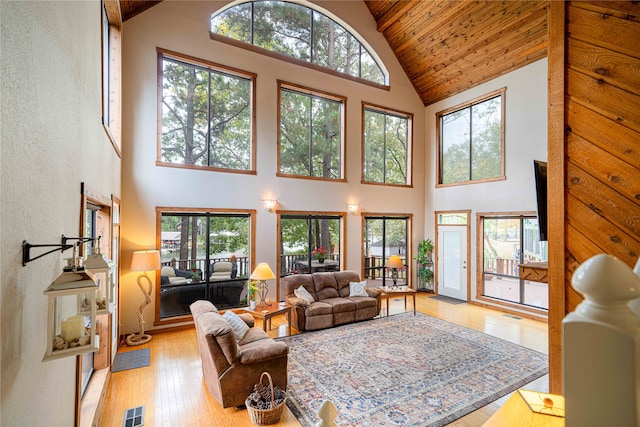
<point>52,140</point>
<point>525,140</point>
<point>183,27</point>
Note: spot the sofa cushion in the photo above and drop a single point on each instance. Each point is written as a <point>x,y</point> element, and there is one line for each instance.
<point>318,308</point>
<point>167,271</point>
<point>238,325</point>
<point>364,302</point>
<point>358,289</point>
<point>343,278</point>
<point>303,293</point>
<point>326,285</point>
<point>340,305</point>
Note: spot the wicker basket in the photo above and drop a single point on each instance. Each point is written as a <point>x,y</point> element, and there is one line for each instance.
<point>263,417</point>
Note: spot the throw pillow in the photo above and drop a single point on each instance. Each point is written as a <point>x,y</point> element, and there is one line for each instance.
<point>238,325</point>
<point>358,289</point>
<point>303,293</point>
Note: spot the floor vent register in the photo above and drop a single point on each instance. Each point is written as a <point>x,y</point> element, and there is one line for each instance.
<point>133,417</point>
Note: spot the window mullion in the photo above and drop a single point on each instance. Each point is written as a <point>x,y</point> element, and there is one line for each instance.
<point>311,40</point>
<point>208,142</point>
<point>471,143</point>
<point>384,149</point>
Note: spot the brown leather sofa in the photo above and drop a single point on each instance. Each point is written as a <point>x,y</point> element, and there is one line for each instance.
<point>231,368</point>
<point>332,305</point>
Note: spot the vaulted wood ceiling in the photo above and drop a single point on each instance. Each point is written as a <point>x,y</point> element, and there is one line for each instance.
<point>449,46</point>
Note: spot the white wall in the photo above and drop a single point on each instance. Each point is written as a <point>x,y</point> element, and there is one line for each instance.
<point>183,27</point>
<point>52,140</point>
<point>525,140</point>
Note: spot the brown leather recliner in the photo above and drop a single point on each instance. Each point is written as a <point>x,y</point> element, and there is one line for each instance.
<point>231,368</point>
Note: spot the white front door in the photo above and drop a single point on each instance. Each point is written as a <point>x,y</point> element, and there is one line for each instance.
<point>452,261</point>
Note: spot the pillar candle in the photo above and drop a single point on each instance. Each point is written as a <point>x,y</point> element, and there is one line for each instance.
<point>72,328</point>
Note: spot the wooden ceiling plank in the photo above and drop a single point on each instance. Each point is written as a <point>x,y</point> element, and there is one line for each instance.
<point>391,16</point>
<point>463,47</point>
<point>441,15</point>
<point>413,19</point>
<point>503,53</point>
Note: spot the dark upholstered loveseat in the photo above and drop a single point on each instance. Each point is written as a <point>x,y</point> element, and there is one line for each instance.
<point>231,368</point>
<point>332,305</point>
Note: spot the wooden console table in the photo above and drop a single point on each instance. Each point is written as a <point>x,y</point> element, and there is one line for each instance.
<point>403,292</point>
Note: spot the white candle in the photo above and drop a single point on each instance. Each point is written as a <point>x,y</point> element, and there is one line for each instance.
<point>100,296</point>
<point>72,328</point>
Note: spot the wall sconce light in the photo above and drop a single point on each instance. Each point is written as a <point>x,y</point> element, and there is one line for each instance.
<point>352,208</point>
<point>269,204</point>
<point>103,271</point>
<point>71,326</point>
<point>143,261</point>
<point>262,273</point>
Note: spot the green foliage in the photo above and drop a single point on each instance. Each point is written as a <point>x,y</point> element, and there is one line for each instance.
<point>425,263</point>
<point>206,117</point>
<point>471,142</point>
<point>386,139</point>
<point>299,32</point>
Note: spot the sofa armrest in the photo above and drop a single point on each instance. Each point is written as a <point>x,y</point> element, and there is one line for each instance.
<point>259,353</point>
<point>248,319</point>
<point>374,292</point>
<point>297,302</point>
<point>164,280</point>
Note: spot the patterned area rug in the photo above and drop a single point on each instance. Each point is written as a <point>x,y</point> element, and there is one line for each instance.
<point>403,371</point>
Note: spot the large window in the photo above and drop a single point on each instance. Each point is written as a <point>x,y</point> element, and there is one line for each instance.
<point>305,35</point>
<point>507,242</point>
<point>111,71</point>
<point>311,133</point>
<point>385,236</point>
<point>471,141</point>
<point>310,242</point>
<point>205,254</point>
<point>206,115</point>
<point>386,146</point>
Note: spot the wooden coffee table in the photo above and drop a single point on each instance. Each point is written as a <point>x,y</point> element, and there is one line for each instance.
<point>267,312</point>
<point>401,291</point>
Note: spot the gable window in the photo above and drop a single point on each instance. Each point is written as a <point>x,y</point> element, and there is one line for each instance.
<point>304,35</point>
<point>206,115</point>
<point>311,133</point>
<point>471,141</point>
<point>386,146</point>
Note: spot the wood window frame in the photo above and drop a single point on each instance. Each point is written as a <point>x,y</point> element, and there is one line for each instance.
<point>158,321</point>
<point>389,111</point>
<point>112,73</point>
<point>215,67</point>
<point>502,92</point>
<point>343,129</point>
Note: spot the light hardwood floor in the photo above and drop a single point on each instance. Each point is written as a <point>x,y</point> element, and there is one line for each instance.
<point>173,394</point>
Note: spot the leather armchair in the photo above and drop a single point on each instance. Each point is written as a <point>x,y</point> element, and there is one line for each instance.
<point>231,368</point>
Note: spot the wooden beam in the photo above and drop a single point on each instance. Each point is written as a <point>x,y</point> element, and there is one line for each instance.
<point>556,198</point>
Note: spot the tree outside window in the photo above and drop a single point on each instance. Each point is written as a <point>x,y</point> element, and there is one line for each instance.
<point>471,141</point>
<point>301,33</point>
<point>311,134</point>
<point>386,146</point>
<point>207,115</point>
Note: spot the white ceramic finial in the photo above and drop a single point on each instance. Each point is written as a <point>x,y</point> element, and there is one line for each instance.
<point>327,413</point>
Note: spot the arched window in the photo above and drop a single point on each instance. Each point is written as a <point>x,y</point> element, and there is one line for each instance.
<point>302,33</point>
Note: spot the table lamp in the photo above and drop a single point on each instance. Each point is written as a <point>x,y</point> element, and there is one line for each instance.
<point>262,273</point>
<point>143,261</point>
<point>394,263</point>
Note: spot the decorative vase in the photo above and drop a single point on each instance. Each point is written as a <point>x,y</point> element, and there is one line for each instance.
<point>252,304</point>
<point>321,260</point>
